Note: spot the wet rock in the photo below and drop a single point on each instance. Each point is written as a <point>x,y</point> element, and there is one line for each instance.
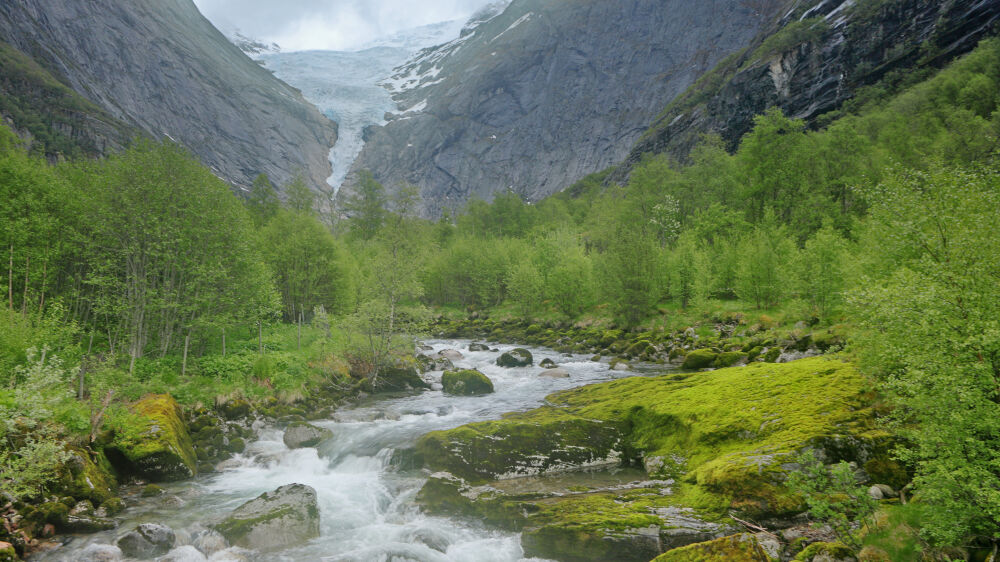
<point>301,434</point>
<point>556,373</point>
<point>395,379</point>
<point>185,553</point>
<point>451,354</point>
<point>517,357</point>
<point>468,382</point>
<point>478,347</point>
<point>234,554</point>
<point>88,524</point>
<point>210,542</point>
<point>147,540</point>
<point>100,553</point>
<point>735,548</point>
<point>274,520</point>
<point>547,363</point>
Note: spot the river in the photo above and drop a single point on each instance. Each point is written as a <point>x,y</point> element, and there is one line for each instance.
<point>366,505</point>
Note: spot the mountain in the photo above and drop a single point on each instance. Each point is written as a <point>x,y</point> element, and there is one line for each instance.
<point>545,92</point>
<point>157,67</point>
<point>817,57</point>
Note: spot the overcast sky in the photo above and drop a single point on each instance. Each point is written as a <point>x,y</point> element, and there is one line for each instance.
<point>330,24</point>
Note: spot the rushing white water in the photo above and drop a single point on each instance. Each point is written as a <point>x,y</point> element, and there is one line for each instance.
<point>366,505</point>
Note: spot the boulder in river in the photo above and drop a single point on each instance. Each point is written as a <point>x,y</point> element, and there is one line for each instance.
<point>158,448</point>
<point>186,553</point>
<point>699,359</point>
<point>451,354</point>
<point>274,520</point>
<point>547,363</point>
<point>478,347</point>
<point>557,373</point>
<point>517,357</point>
<point>99,553</point>
<point>467,382</point>
<point>147,540</point>
<point>300,435</point>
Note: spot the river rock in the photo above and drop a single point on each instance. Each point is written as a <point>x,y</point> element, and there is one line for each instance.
<point>186,553</point>
<point>699,359</point>
<point>517,357</point>
<point>209,543</point>
<point>147,540</point>
<point>450,354</point>
<point>300,435</point>
<point>88,524</point>
<point>557,373</point>
<point>159,449</point>
<point>547,363</point>
<point>274,520</point>
<point>467,382</point>
<point>100,553</point>
<point>478,347</point>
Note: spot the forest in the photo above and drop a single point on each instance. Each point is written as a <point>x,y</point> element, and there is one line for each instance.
<point>143,272</point>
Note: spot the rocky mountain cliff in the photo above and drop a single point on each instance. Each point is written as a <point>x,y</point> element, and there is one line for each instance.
<point>159,67</point>
<point>818,56</point>
<point>546,92</point>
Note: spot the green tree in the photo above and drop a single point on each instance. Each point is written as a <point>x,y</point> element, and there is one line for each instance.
<point>263,199</point>
<point>367,207</point>
<point>821,268</point>
<point>299,197</point>
<point>929,307</point>
<point>764,253</point>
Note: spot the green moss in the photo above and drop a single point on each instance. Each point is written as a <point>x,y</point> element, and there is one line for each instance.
<point>521,444</point>
<point>151,491</point>
<point>113,506</point>
<point>699,359</point>
<point>833,550</point>
<point>772,355</point>
<point>83,478</point>
<point>735,548</point>
<point>156,444</point>
<point>468,382</point>
<point>236,530</point>
<point>728,359</point>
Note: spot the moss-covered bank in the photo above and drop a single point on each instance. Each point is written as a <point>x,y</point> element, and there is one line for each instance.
<point>710,444</point>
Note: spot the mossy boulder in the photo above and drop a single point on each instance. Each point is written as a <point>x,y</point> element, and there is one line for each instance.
<point>148,540</point>
<point>466,382</point>
<point>728,359</point>
<point>87,477</point>
<point>517,357</point>
<point>638,348</point>
<point>735,548</point>
<point>8,553</point>
<point>299,435</point>
<point>547,364</point>
<point>771,355</point>
<point>288,516</point>
<point>156,446</point>
<point>235,409</point>
<point>826,551</point>
<point>535,442</point>
<point>397,379</point>
<point>699,359</point>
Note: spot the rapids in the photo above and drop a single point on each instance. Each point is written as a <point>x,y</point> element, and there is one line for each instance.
<point>366,502</point>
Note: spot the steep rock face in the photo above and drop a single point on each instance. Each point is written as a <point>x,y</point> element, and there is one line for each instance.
<point>851,45</point>
<point>162,68</point>
<point>546,92</point>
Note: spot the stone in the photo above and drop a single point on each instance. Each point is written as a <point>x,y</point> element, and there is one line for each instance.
<point>210,542</point>
<point>186,553</point>
<point>517,357</point>
<point>451,354</point>
<point>467,382</point>
<point>299,435</point>
<point>875,493</point>
<point>478,347</point>
<point>160,449</point>
<point>699,359</point>
<point>275,520</point>
<point>556,373</point>
<point>88,524</point>
<point>147,540</point>
<point>547,363</point>
<point>100,553</point>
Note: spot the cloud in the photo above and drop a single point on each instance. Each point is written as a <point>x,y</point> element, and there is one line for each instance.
<point>330,24</point>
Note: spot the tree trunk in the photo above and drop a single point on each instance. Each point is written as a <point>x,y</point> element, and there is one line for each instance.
<point>41,302</point>
<point>184,361</point>
<point>24,298</point>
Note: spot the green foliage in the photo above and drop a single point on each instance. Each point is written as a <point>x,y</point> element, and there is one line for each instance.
<point>929,307</point>
<point>367,208</point>
<point>834,495</point>
<point>27,471</point>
